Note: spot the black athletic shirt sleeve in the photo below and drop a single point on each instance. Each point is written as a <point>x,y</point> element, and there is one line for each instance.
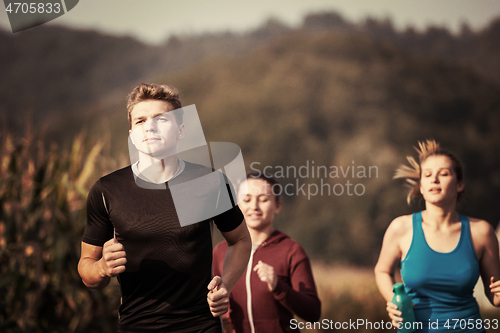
<point>99,228</point>
<point>229,220</point>
<point>232,218</point>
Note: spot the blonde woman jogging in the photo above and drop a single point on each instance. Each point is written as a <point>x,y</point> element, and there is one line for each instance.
<point>442,252</point>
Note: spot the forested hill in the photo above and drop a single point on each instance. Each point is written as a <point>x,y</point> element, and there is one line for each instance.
<point>479,50</point>
<point>337,101</point>
<point>330,94</point>
<point>56,72</point>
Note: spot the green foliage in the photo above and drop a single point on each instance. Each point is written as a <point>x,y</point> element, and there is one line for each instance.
<point>42,217</point>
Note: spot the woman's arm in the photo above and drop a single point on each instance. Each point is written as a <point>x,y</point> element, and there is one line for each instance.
<point>484,237</point>
<point>390,255</point>
<point>300,296</point>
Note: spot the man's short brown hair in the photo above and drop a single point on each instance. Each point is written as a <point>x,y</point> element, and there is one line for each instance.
<point>159,92</point>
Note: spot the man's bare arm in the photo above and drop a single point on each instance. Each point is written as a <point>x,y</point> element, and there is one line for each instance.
<point>235,262</point>
<point>239,246</point>
<point>98,264</point>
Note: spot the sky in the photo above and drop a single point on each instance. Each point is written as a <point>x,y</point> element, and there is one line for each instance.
<point>153,21</point>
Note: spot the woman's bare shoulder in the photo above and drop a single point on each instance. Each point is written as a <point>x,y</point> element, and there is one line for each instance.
<point>480,225</point>
<point>400,226</point>
<point>480,229</point>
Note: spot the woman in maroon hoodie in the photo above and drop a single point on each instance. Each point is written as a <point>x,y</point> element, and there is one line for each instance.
<point>278,282</point>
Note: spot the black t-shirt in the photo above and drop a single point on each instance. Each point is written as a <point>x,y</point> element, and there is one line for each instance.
<point>168,266</point>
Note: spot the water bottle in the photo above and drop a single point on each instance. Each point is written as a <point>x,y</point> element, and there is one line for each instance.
<point>403,302</point>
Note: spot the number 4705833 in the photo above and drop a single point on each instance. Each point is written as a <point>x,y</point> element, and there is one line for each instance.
<point>471,324</point>
<point>33,7</point>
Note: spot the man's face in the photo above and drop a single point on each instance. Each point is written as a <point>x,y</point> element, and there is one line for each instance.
<point>154,130</point>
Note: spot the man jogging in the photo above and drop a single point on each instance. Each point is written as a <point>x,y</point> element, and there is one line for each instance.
<point>133,229</point>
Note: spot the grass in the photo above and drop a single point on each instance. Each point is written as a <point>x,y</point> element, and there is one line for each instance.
<point>348,294</point>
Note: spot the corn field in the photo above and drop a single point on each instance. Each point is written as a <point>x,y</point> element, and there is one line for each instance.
<point>42,218</point>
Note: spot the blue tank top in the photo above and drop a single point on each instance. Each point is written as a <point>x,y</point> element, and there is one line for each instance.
<point>441,284</point>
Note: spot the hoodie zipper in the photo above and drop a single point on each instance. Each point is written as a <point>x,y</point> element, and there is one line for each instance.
<point>249,291</point>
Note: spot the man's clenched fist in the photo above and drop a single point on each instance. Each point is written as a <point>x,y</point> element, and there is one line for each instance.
<point>113,258</point>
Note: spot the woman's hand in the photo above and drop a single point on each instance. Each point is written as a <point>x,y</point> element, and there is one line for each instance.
<point>394,313</point>
<point>266,274</point>
<point>495,290</point>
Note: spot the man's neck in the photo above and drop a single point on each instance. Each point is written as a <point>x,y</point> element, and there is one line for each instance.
<point>158,170</point>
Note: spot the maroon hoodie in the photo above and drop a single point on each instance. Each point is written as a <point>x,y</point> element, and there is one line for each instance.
<point>295,292</point>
